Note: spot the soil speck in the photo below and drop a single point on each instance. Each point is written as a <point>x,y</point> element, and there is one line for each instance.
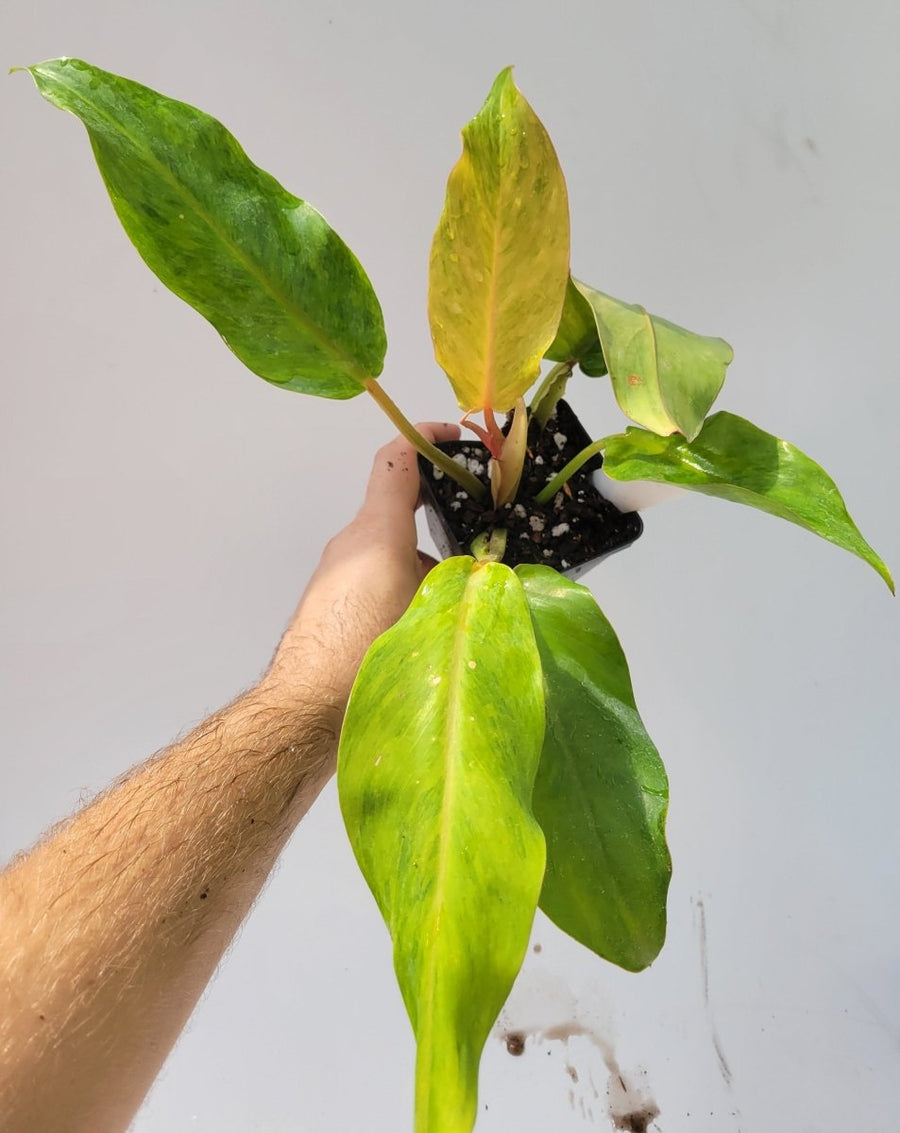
<point>515,1043</point>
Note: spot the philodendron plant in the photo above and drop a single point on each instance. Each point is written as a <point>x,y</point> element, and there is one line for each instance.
<point>492,758</point>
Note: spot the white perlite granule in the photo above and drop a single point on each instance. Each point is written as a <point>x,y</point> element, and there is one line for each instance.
<point>436,474</point>
<point>536,522</point>
<point>559,529</point>
<point>560,440</point>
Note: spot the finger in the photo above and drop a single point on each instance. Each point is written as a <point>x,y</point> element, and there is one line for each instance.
<point>393,489</point>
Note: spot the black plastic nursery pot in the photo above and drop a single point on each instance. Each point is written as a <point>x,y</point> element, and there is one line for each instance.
<point>577,529</point>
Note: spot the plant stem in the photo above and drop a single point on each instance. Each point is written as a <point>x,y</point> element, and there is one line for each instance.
<point>496,439</point>
<point>546,494</point>
<point>455,471</point>
<point>549,392</point>
<point>490,548</point>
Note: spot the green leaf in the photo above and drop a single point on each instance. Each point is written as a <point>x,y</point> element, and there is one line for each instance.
<point>286,294</point>
<point>437,760</point>
<point>664,377</point>
<point>601,793</point>
<point>500,256</point>
<point>737,461</point>
<point>576,337</point>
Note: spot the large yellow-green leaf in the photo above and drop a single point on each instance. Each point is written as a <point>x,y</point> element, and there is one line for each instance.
<point>280,286</point>
<point>735,460</point>
<point>500,256</point>
<point>601,792</point>
<point>438,755</point>
<point>664,377</point>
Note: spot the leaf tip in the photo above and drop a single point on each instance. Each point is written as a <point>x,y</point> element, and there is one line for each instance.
<point>35,69</point>
<point>502,86</point>
<point>877,563</point>
<point>688,434</point>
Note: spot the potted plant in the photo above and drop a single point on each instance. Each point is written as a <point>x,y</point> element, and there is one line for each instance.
<point>492,757</point>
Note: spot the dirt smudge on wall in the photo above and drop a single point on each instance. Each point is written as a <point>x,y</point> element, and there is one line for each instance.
<point>630,1106</point>
<point>546,1011</point>
<point>724,1068</point>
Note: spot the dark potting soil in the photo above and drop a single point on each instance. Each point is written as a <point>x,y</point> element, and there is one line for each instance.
<point>575,528</point>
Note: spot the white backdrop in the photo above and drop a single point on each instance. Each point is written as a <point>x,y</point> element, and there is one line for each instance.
<point>734,166</point>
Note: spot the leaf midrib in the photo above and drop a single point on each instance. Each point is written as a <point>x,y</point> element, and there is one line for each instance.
<point>449,763</point>
<point>490,387</point>
<point>251,267</point>
<point>651,329</point>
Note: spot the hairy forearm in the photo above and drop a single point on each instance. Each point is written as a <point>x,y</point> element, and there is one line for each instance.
<point>112,926</point>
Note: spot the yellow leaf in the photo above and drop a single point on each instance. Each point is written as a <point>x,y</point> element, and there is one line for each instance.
<point>500,256</point>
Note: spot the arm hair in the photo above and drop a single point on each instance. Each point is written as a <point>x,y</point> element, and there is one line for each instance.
<point>111,927</point>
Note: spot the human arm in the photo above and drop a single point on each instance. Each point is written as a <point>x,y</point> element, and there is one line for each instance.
<point>111,927</point>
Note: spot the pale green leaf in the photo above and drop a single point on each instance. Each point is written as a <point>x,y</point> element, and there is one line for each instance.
<point>500,255</point>
<point>601,792</point>
<point>735,460</point>
<point>576,339</point>
<point>438,755</point>
<point>664,377</point>
<point>280,286</point>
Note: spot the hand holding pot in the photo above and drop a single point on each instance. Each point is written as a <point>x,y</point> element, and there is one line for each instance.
<point>365,580</point>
